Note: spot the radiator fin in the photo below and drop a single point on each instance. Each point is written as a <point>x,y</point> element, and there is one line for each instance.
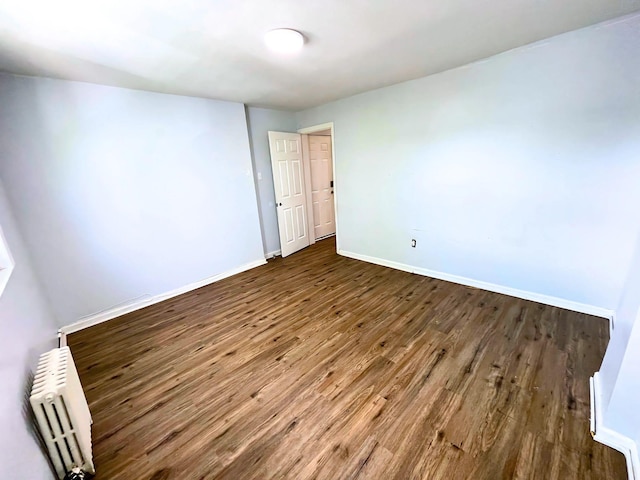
<point>62,412</point>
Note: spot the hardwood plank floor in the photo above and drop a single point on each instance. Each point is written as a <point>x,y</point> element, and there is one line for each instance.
<point>319,366</point>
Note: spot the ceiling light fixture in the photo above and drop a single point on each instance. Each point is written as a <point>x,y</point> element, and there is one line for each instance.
<point>284,40</point>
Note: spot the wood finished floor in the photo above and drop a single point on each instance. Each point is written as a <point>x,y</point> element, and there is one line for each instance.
<point>319,366</point>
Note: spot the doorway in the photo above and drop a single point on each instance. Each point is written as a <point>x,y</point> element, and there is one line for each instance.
<point>303,166</point>
<point>321,171</point>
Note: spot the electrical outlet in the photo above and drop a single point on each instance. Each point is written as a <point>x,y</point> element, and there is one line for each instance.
<point>413,243</point>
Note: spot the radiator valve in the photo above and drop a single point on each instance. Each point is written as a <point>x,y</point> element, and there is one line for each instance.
<point>76,474</point>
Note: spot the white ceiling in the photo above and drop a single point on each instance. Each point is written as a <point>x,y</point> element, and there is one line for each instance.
<point>214,48</point>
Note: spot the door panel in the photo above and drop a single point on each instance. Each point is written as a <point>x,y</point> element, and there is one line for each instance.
<point>288,179</point>
<point>302,221</point>
<point>321,180</point>
<point>285,192</point>
<point>297,177</point>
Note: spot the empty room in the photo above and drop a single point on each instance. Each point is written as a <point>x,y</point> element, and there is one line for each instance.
<point>320,240</point>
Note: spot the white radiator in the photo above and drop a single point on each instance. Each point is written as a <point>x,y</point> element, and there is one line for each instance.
<point>63,415</point>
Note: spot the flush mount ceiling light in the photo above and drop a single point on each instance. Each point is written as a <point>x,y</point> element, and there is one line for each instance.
<point>284,40</point>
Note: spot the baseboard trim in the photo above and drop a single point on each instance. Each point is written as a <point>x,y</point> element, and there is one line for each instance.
<point>148,300</point>
<point>275,253</point>
<point>609,437</point>
<point>512,292</point>
<point>324,237</point>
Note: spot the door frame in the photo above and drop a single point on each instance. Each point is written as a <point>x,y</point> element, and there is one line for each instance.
<point>307,168</point>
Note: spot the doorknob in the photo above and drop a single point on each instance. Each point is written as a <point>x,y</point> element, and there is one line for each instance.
<point>280,204</point>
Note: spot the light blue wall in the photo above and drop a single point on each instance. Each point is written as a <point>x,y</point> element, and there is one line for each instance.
<point>261,121</point>
<point>123,194</point>
<point>521,170</point>
<point>620,371</point>
<point>28,330</point>
<point>625,317</point>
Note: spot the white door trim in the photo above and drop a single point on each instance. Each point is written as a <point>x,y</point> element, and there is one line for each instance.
<point>306,165</point>
<point>336,184</point>
<point>317,128</point>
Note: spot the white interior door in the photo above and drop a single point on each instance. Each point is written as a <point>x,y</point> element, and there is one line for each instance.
<point>288,181</point>
<point>324,219</point>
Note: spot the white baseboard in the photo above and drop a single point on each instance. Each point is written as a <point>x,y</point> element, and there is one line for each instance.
<point>147,300</point>
<point>513,292</point>
<point>324,237</point>
<point>609,437</point>
<point>275,253</point>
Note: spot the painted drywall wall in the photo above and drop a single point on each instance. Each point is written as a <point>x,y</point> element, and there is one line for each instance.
<point>620,370</point>
<point>260,121</point>
<point>622,414</point>
<point>626,319</point>
<point>521,170</point>
<point>28,330</point>
<point>123,194</point>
